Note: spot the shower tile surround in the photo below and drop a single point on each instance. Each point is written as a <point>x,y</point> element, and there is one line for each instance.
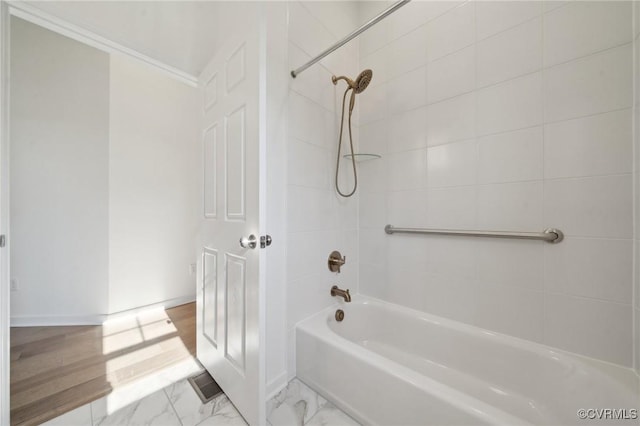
<point>318,220</point>
<point>487,115</point>
<point>508,116</point>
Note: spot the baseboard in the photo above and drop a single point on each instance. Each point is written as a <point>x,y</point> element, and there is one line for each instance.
<point>276,385</point>
<point>56,320</point>
<point>98,319</point>
<point>166,304</point>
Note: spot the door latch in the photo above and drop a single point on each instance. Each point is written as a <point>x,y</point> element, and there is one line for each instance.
<point>265,241</point>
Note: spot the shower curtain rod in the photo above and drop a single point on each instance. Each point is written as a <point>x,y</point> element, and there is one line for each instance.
<point>348,38</point>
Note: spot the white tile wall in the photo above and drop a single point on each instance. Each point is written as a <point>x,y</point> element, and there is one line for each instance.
<point>590,207</point>
<point>495,16</point>
<point>405,131</point>
<point>510,310</point>
<point>451,120</point>
<point>511,206</point>
<point>452,164</point>
<point>585,27</point>
<point>570,268</point>
<point>587,146</point>
<point>408,207</point>
<point>451,75</point>
<point>374,103</point>
<point>450,32</point>
<point>441,290</point>
<point>308,165</point>
<point>407,170</point>
<point>511,263</point>
<point>510,54</point>
<point>595,84</point>
<point>591,327</point>
<point>453,207</point>
<point>406,53</point>
<point>407,91</point>
<point>514,104</point>
<point>318,221</point>
<point>524,109</point>
<point>511,156</point>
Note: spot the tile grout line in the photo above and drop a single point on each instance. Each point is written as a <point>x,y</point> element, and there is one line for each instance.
<point>164,391</point>
<point>545,293</point>
<point>486,86</point>
<point>500,132</point>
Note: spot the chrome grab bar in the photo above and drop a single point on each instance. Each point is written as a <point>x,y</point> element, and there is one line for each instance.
<point>550,235</point>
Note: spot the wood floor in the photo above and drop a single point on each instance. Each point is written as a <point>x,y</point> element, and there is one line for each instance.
<point>57,369</point>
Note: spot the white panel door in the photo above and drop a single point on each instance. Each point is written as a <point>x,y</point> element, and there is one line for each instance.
<point>229,303</point>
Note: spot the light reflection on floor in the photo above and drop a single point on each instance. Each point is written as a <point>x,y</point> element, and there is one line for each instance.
<point>137,337</point>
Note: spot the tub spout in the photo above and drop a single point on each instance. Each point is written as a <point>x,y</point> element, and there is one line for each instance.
<point>335,291</point>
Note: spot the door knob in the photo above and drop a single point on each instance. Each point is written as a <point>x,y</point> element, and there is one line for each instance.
<point>250,242</point>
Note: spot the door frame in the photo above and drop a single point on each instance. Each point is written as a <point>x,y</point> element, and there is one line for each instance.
<point>262,208</point>
<point>4,215</point>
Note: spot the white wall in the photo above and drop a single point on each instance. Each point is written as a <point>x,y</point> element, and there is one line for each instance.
<point>509,116</point>
<point>316,220</point>
<point>59,174</point>
<point>154,156</point>
<point>179,34</point>
<point>104,181</point>
<point>4,214</point>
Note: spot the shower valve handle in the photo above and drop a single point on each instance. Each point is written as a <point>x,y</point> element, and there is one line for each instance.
<point>336,260</point>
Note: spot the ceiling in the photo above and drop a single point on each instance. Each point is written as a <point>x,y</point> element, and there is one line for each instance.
<point>181,34</point>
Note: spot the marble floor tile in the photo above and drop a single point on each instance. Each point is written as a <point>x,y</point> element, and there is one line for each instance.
<point>153,410</point>
<point>79,417</point>
<point>224,414</point>
<point>287,415</point>
<point>188,406</point>
<point>179,405</point>
<point>304,403</point>
<point>330,415</point>
<point>123,396</point>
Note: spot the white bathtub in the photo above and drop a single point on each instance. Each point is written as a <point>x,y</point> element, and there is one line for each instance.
<point>388,365</point>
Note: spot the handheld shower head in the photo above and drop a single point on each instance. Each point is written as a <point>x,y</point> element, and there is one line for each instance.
<point>358,86</point>
<point>361,82</point>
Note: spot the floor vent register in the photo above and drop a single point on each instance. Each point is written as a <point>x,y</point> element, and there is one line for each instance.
<point>205,386</point>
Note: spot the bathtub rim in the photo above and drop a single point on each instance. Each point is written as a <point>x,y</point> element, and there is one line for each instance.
<point>624,374</point>
<point>458,399</point>
<point>318,326</point>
